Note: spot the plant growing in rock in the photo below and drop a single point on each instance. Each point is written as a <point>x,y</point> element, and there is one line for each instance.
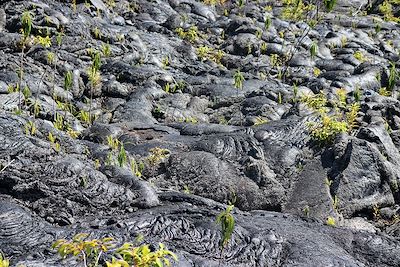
<point>142,256</point>
<point>137,169</point>
<point>4,262</point>
<point>68,82</point>
<point>386,9</point>
<point>342,97</point>
<point>327,129</point>
<point>59,122</point>
<point>192,34</point>
<point>112,142</point>
<point>352,115</point>
<point>53,141</point>
<point>122,157</point>
<point>157,154</point>
<point>384,92</point>
<point>227,222</point>
<point>306,11</point>
<point>330,221</point>
<point>106,49</point>
<point>267,22</point>
<point>357,94</point>
<point>313,50</point>
<point>94,79</point>
<point>238,80</point>
<point>260,121</point>
<point>359,56</point>
<point>26,22</point>
<point>30,128</point>
<point>89,251</point>
<point>393,76</point>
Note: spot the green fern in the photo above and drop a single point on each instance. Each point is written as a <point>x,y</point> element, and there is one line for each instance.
<point>227,222</point>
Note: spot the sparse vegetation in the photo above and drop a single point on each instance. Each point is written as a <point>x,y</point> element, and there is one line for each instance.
<point>227,222</point>
<point>4,262</point>
<point>328,126</point>
<point>330,221</point>
<point>238,80</point>
<point>90,251</point>
<point>191,34</point>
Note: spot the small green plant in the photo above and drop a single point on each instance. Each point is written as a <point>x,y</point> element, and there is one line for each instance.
<point>142,256</point>
<point>73,5</point>
<point>89,251</point>
<point>393,76</point>
<point>360,56</point>
<point>306,211</point>
<point>316,71</point>
<point>342,97</point>
<point>227,222</point>
<point>384,92</point>
<point>263,48</point>
<point>72,133</point>
<point>267,22</point>
<point>335,203</point>
<point>214,2</point>
<point>84,116</point>
<point>165,62</point>
<point>191,35</point>
<point>59,122</point>
<point>186,190</point>
<point>352,115</point>
<point>30,128</point>
<point>330,221</point>
<point>53,141</point>
<point>202,52</point>
<point>96,33</point>
<point>386,9</point>
<point>26,22</point>
<point>327,129</point>
<point>4,262</point>
<point>274,59</point>
<point>136,168</point>
<point>260,121</point>
<point>343,41</point>
<point>238,80</point>
<point>357,94</point>
<point>313,50</point>
<point>330,4</point>
<point>94,79</point>
<point>316,102</point>
<point>157,154</point>
<point>106,49</point>
<point>113,143</point>
<point>122,157</point>
<point>259,33</point>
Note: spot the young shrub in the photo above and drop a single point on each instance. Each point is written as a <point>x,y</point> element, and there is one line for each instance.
<point>326,130</point>
<point>313,50</point>
<point>122,157</point>
<point>227,222</point>
<point>352,115</point>
<point>143,256</point>
<point>89,251</point>
<point>330,4</point>
<point>94,79</point>
<point>26,22</point>
<point>238,80</point>
<point>393,76</point>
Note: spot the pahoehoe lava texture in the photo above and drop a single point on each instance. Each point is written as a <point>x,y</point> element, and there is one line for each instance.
<point>204,143</point>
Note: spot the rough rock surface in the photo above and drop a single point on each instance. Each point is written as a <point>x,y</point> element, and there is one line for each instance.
<point>202,142</point>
